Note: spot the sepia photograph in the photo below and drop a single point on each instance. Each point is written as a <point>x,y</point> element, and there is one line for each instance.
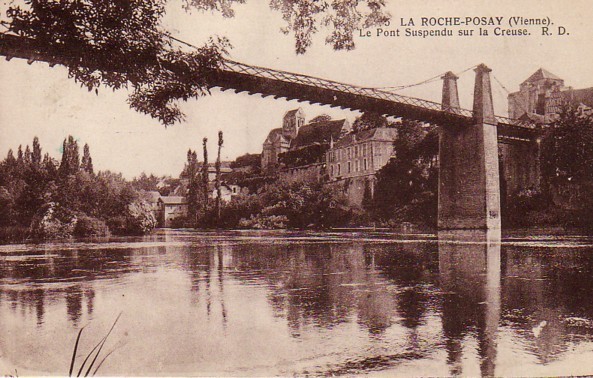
<point>240,188</point>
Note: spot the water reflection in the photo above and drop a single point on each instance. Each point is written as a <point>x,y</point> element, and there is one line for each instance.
<point>469,266</point>
<point>462,304</point>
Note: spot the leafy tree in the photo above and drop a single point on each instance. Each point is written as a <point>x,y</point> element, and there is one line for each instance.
<point>567,148</point>
<point>70,157</point>
<point>27,156</point>
<point>147,182</point>
<point>10,159</point>
<point>20,159</point>
<point>194,197</point>
<point>87,160</point>
<point>36,155</point>
<point>121,44</point>
<point>50,202</point>
<point>301,203</point>
<point>567,166</point>
<point>321,118</point>
<point>369,120</point>
<point>344,17</point>
<point>218,181</point>
<point>205,179</point>
<point>407,185</point>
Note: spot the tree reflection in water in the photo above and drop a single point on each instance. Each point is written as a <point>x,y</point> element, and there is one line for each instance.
<point>381,302</point>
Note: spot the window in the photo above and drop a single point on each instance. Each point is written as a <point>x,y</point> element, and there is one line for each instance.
<point>356,166</point>
<point>356,151</point>
<point>349,152</point>
<point>364,149</point>
<point>332,170</point>
<point>349,167</point>
<point>365,164</point>
<point>339,170</point>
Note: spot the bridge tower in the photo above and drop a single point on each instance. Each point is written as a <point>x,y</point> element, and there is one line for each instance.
<point>469,187</point>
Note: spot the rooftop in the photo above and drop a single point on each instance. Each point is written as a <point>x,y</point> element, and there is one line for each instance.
<point>173,200</point>
<point>318,132</point>
<point>379,133</point>
<point>541,74</point>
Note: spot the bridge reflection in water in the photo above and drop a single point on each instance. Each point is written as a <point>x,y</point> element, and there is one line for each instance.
<point>469,269</point>
<point>292,303</point>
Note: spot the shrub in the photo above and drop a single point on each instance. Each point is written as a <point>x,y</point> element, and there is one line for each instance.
<point>53,222</point>
<point>13,234</point>
<point>140,218</point>
<point>264,222</point>
<point>90,226</point>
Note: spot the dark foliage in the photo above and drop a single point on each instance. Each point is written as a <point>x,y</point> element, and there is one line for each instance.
<point>313,153</point>
<point>247,161</point>
<point>121,44</point>
<point>60,200</point>
<point>407,185</point>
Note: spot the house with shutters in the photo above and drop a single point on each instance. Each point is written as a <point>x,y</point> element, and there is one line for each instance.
<point>353,161</point>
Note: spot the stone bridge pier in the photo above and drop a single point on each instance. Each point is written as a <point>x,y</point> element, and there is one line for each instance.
<point>469,184</point>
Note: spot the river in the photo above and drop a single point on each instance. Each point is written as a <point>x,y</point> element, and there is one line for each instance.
<point>304,303</point>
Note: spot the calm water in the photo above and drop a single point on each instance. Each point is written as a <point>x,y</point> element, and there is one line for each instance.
<point>278,303</point>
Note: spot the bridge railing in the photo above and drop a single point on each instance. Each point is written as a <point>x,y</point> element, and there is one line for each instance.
<point>15,46</point>
<point>273,74</point>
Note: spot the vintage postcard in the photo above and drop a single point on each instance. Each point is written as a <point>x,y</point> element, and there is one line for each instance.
<point>296,188</point>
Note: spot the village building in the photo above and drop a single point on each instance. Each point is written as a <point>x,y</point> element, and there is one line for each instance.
<point>171,208</point>
<point>354,160</point>
<point>297,147</point>
<point>227,192</point>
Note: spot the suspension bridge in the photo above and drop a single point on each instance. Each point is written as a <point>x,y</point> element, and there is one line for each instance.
<point>469,193</point>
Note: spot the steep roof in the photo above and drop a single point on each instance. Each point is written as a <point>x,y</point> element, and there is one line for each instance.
<point>379,133</point>
<point>541,74</point>
<point>173,200</point>
<point>290,113</point>
<point>318,133</point>
<point>293,112</point>
<point>273,134</point>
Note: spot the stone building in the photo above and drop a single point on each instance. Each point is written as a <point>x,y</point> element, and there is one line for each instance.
<point>279,139</point>
<point>354,160</point>
<point>171,208</point>
<point>541,97</point>
<point>298,146</point>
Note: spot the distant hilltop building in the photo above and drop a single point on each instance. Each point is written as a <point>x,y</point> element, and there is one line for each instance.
<point>541,96</point>
<point>328,150</point>
<point>296,144</point>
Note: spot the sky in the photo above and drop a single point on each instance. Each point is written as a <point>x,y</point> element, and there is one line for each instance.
<point>36,100</point>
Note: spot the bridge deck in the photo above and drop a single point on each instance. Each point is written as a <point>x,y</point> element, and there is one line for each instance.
<point>269,82</point>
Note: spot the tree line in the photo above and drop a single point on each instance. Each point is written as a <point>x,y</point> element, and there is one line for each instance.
<point>41,197</point>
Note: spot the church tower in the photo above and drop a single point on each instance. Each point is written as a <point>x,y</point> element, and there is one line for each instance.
<point>292,121</point>
<point>535,95</point>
